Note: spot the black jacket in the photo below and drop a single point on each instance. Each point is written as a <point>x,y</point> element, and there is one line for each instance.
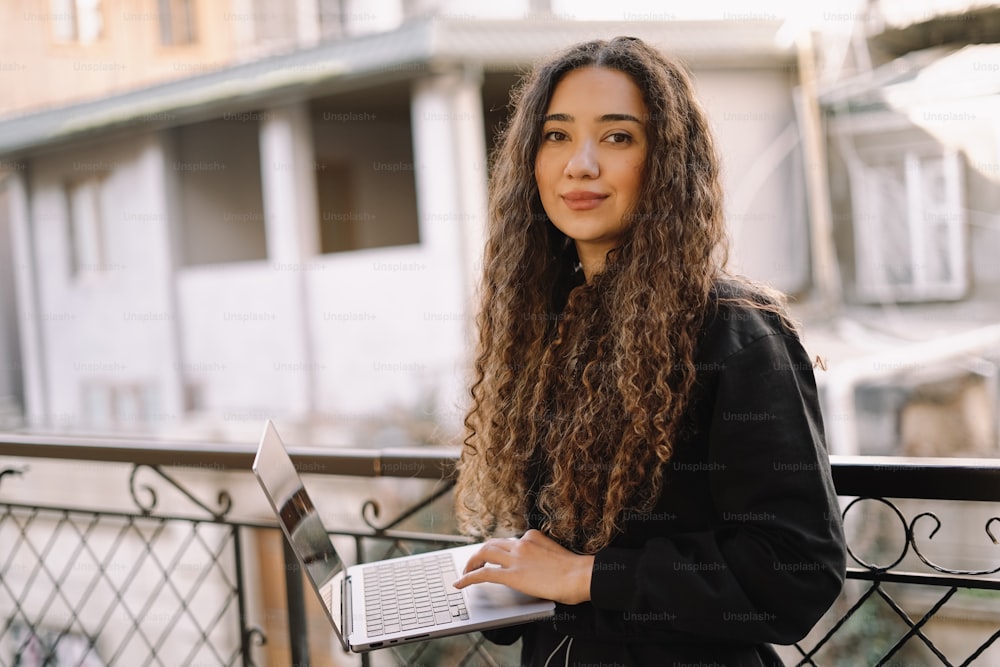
<point>745,546</point>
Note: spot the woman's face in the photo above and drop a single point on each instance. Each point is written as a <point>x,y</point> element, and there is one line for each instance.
<point>589,165</point>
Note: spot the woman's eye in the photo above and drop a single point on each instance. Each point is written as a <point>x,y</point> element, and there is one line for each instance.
<point>554,135</point>
<point>619,138</point>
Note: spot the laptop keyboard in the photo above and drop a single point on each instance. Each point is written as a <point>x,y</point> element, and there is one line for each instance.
<point>411,594</point>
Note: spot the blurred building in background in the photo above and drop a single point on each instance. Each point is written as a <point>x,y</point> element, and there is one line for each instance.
<point>913,173</point>
<point>297,234</point>
<point>216,212</point>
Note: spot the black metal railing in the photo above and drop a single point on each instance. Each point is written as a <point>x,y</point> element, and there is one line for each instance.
<point>88,586</point>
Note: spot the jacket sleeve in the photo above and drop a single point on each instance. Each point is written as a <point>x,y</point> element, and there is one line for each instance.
<point>504,636</point>
<point>773,561</point>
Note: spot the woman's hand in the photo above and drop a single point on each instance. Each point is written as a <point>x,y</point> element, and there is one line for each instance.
<point>534,565</point>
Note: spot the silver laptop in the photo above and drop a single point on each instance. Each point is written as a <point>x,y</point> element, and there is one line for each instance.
<point>389,602</point>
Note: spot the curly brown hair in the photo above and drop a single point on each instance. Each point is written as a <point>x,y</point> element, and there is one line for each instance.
<point>579,388</point>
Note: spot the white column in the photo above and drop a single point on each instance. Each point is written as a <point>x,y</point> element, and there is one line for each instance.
<point>291,214</point>
<point>28,306</point>
<point>449,154</point>
<point>161,152</point>
<point>449,151</point>
<point>288,181</point>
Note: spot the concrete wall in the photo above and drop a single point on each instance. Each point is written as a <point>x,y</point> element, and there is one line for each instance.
<point>385,335</point>
<point>398,342</point>
<point>750,112</point>
<point>113,329</point>
<point>38,70</point>
<point>43,71</point>
<point>236,333</point>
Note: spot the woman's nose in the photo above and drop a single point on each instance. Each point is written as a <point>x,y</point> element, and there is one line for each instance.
<point>583,162</point>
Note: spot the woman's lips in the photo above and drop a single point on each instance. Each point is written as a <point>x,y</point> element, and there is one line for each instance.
<point>582,200</point>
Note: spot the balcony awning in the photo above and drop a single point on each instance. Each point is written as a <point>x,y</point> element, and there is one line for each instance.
<point>930,76</point>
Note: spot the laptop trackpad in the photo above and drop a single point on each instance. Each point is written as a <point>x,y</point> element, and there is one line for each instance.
<point>496,596</point>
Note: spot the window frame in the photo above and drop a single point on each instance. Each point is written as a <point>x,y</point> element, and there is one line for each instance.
<point>923,220</point>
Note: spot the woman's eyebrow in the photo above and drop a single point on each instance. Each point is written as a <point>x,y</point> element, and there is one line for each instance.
<point>606,118</point>
<point>615,117</point>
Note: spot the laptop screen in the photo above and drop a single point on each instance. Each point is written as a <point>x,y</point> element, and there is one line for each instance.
<point>298,519</point>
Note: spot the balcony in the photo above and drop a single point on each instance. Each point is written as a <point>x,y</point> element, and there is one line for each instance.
<point>123,553</point>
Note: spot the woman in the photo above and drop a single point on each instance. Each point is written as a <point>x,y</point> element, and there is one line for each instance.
<point>646,422</point>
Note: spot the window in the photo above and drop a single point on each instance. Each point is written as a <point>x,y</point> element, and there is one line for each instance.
<point>77,20</point>
<point>87,243</point>
<point>220,198</point>
<point>339,227</point>
<point>354,214</point>
<point>909,224</point>
<point>176,22</point>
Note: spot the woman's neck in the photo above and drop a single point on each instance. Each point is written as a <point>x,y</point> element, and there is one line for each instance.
<point>591,260</point>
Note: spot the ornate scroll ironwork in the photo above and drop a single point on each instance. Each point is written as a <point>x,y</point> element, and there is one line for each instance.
<point>949,580</point>
<point>224,500</point>
<point>372,507</point>
<point>910,541</point>
<point>12,472</point>
<point>253,636</point>
<point>944,570</point>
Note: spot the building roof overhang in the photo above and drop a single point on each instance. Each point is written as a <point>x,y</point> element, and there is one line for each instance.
<point>407,53</point>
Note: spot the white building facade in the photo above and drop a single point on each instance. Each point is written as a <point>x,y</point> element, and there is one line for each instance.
<point>299,237</point>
